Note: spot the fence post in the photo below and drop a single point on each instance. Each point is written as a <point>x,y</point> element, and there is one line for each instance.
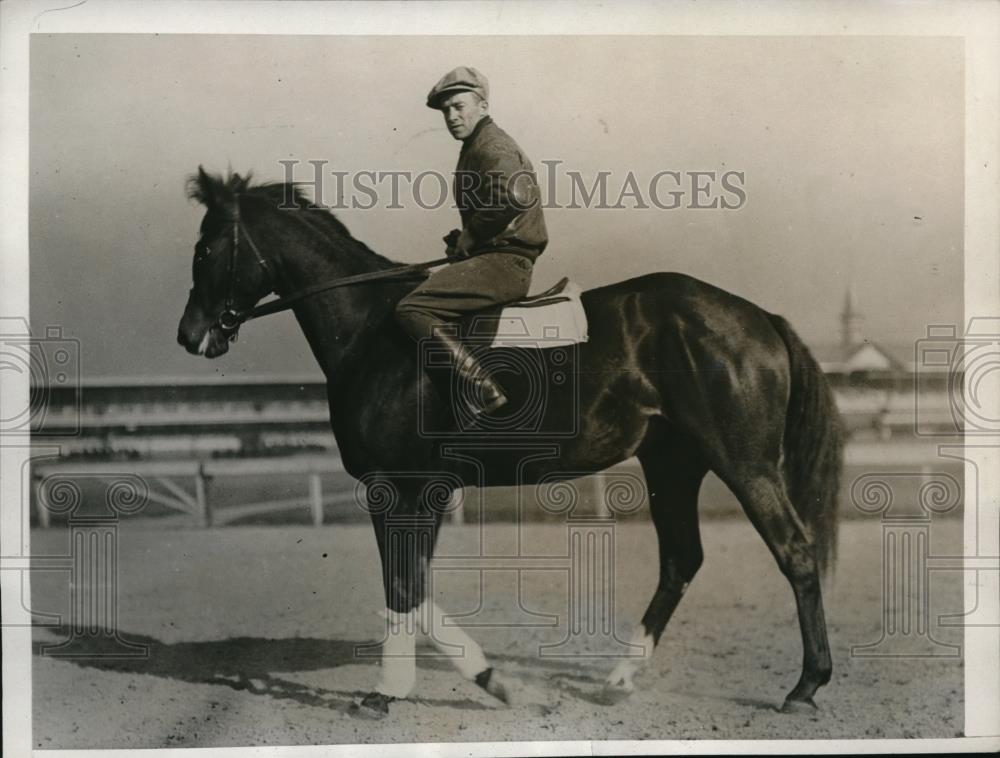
<point>201,496</point>
<point>316,499</point>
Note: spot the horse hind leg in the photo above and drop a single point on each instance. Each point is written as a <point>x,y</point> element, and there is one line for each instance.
<point>766,502</point>
<point>674,473</point>
<point>465,653</point>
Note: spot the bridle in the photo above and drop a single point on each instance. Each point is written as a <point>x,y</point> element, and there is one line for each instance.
<point>230,320</point>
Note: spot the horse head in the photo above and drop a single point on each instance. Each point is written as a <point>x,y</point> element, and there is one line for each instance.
<point>226,277</point>
<point>306,244</point>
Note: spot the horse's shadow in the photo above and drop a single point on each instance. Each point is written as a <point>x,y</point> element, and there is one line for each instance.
<point>243,663</point>
<point>249,664</point>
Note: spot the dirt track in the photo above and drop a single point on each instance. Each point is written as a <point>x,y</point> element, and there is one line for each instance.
<point>252,635</point>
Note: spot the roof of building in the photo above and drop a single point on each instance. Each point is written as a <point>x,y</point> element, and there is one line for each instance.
<point>867,355</point>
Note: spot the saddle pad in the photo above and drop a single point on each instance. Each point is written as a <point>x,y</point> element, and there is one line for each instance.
<point>558,320</point>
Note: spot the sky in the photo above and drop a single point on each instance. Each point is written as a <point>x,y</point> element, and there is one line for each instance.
<point>851,150</point>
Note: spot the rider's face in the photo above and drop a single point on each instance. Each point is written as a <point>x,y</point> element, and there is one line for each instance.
<point>462,111</point>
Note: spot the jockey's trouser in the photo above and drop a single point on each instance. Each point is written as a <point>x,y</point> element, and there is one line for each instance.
<point>466,286</point>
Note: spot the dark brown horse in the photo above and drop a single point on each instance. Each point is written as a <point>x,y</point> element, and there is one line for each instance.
<point>684,376</point>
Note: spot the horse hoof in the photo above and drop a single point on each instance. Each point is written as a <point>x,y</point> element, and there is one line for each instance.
<point>375,704</point>
<point>613,694</point>
<point>497,685</point>
<point>799,706</point>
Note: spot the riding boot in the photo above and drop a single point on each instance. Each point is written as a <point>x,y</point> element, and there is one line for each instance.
<point>477,389</point>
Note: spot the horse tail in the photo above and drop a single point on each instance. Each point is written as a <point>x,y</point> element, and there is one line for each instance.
<point>813,446</point>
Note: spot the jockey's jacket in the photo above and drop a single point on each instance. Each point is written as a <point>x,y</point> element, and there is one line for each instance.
<point>497,194</point>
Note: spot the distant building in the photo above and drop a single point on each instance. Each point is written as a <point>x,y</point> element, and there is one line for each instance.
<point>859,359</point>
<point>878,385</point>
<point>851,322</point>
<point>184,417</point>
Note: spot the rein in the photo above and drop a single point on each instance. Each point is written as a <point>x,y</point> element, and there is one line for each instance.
<point>230,319</point>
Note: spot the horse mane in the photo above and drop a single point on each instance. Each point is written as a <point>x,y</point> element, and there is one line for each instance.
<point>219,195</point>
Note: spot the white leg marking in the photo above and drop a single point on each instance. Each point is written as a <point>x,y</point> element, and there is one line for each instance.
<point>399,665</point>
<point>203,345</point>
<point>470,661</point>
<point>628,667</point>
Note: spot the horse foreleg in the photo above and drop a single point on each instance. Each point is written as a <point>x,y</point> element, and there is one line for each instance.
<point>406,543</point>
<point>406,540</point>
<point>399,665</point>
<point>399,661</point>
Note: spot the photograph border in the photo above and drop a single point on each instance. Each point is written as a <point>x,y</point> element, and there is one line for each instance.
<point>978,23</point>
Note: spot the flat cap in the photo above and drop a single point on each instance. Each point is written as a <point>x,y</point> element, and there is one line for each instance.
<point>461,79</point>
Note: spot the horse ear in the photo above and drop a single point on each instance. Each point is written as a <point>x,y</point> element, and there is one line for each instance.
<point>240,183</point>
<point>208,190</point>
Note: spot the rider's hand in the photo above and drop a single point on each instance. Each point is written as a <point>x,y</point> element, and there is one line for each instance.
<point>451,240</point>
<point>463,245</point>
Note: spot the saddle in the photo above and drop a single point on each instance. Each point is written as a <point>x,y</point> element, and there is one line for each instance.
<point>550,296</point>
<point>547,319</point>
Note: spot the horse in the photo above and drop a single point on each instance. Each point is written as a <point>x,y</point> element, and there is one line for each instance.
<point>682,375</point>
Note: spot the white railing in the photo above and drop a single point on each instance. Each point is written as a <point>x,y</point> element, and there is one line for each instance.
<point>183,485</point>
<point>165,483</point>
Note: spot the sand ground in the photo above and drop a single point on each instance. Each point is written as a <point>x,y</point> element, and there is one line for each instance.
<point>252,635</point>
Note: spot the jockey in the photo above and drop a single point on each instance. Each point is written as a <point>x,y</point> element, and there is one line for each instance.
<point>502,233</point>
